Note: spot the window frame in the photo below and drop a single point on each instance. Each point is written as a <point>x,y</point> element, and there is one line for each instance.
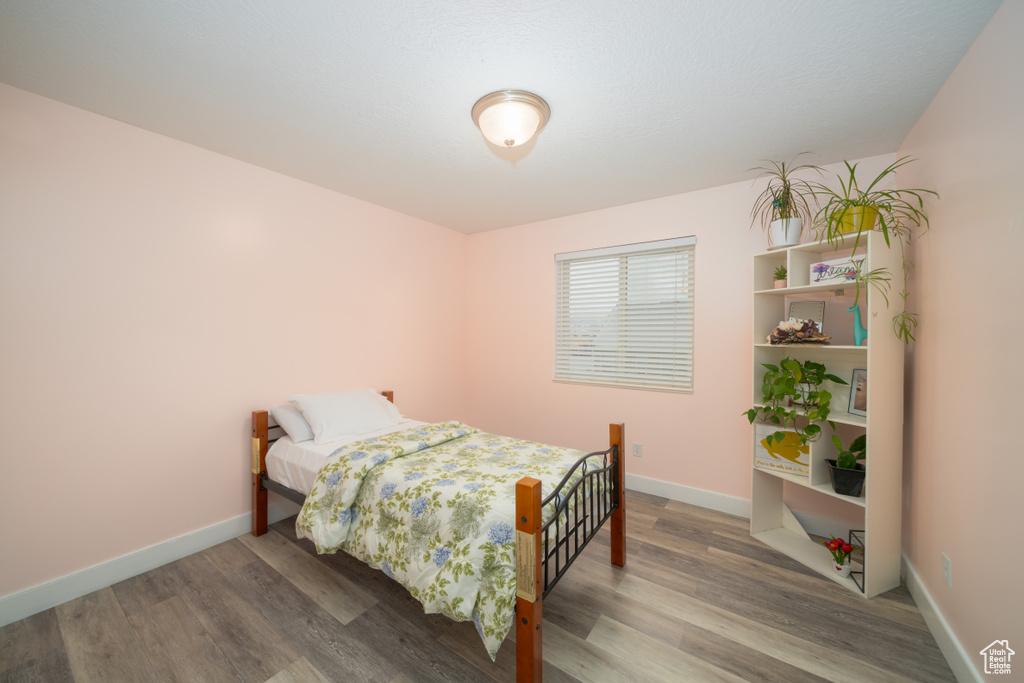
<point>619,362</point>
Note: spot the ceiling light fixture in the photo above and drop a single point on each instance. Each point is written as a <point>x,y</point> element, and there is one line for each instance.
<point>508,118</point>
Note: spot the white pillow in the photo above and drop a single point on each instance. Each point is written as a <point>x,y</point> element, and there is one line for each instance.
<point>333,416</point>
<point>393,411</point>
<point>292,422</point>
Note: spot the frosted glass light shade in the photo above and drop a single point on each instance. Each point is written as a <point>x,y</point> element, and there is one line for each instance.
<point>508,118</point>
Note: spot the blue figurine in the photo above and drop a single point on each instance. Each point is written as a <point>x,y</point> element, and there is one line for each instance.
<point>860,333</point>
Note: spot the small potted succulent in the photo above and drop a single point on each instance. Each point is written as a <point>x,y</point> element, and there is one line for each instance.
<point>841,551</point>
<point>780,277</point>
<point>782,208</point>
<point>846,473</point>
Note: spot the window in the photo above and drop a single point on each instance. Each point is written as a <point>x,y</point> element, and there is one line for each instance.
<point>624,315</point>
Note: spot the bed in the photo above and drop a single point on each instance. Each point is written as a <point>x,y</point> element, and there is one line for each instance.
<point>445,510</point>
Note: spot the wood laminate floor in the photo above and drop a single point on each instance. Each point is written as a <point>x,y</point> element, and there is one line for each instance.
<point>698,600</point>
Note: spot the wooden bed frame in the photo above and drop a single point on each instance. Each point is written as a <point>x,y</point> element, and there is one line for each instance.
<point>534,578</point>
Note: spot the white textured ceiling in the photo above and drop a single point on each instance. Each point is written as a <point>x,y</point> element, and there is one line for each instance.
<point>372,98</point>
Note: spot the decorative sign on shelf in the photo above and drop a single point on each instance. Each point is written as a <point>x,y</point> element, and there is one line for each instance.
<point>789,456</point>
<point>838,270</point>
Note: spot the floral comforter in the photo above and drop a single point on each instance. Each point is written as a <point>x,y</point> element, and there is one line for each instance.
<point>434,508</point>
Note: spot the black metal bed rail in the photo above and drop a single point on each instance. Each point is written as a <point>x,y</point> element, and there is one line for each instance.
<point>585,507</point>
<point>281,490</point>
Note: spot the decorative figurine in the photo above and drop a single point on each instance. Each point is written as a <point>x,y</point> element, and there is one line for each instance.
<point>860,333</point>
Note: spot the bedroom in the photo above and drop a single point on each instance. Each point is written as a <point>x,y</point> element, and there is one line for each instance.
<point>156,291</point>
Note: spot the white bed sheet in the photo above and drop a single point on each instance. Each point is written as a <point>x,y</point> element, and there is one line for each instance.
<point>296,464</point>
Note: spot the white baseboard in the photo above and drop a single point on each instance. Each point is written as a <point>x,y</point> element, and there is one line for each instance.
<point>33,600</point>
<point>813,524</point>
<point>685,494</point>
<point>959,660</point>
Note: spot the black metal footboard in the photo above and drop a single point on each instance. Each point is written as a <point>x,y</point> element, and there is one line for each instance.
<point>579,513</point>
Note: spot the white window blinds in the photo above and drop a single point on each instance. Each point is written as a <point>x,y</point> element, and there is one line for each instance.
<point>624,315</point>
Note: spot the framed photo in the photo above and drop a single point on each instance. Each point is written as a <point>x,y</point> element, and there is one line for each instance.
<point>859,393</point>
<point>808,310</point>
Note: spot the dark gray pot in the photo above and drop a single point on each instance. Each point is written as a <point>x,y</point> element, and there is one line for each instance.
<point>846,482</point>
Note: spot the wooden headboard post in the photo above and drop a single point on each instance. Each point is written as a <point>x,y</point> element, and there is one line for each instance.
<point>617,437</point>
<point>259,466</point>
<point>529,593</point>
<point>260,444</point>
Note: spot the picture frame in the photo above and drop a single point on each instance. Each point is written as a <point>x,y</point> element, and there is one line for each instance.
<point>859,393</point>
<point>808,309</point>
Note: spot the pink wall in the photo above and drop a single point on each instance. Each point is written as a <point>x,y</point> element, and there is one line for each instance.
<point>963,467</point>
<point>699,440</point>
<point>140,279</point>
<point>510,297</point>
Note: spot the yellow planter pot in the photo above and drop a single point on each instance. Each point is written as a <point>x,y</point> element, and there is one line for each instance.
<point>858,218</point>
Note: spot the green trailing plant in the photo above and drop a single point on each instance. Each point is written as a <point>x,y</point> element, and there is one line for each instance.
<point>785,196</point>
<point>780,273</point>
<point>900,212</point>
<point>879,279</point>
<point>793,399</point>
<point>847,457</point>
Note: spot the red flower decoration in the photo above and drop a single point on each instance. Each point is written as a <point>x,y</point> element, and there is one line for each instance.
<point>840,549</point>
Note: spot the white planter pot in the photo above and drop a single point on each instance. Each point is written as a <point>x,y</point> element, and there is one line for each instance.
<point>785,232</point>
<point>843,569</point>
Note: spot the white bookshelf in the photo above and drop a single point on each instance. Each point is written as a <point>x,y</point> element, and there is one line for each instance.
<point>882,356</point>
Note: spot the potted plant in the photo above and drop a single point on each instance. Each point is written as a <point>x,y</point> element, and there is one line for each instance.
<point>780,277</point>
<point>793,399</point>
<point>895,211</point>
<point>846,473</point>
<point>841,551</point>
<point>782,208</point>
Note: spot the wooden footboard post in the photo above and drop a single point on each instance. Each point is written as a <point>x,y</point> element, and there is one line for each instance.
<point>529,659</point>
<point>259,465</point>
<point>617,437</point>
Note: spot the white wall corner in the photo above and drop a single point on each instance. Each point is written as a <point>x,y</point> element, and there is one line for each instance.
<point>33,600</point>
<point>958,658</point>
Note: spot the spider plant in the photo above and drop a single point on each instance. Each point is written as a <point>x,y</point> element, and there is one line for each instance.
<point>899,212</point>
<point>785,195</point>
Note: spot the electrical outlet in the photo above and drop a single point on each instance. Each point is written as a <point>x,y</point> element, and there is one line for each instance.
<point>638,450</point>
<point>947,570</point>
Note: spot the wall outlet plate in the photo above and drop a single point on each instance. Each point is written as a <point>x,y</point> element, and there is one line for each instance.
<point>638,450</point>
<point>947,570</point>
